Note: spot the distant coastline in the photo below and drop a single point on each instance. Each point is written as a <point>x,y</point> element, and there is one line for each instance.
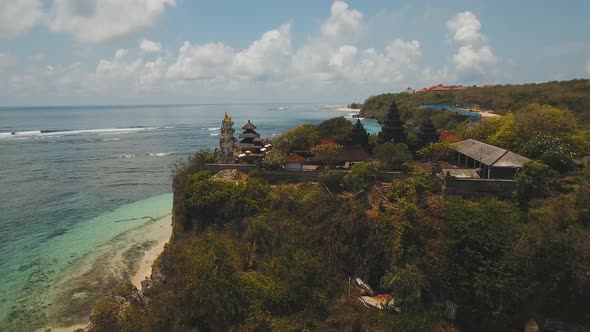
<point>340,108</point>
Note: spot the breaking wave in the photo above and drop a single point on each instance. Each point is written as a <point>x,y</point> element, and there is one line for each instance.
<point>67,132</point>
<point>160,154</point>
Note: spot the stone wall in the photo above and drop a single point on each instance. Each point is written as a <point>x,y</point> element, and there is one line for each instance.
<point>479,187</point>
<point>282,175</point>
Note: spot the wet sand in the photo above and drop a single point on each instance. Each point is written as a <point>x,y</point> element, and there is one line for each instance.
<point>128,256</point>
<point>162,232</point>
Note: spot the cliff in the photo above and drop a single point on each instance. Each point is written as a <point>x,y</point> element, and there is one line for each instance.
<point>247,255</point>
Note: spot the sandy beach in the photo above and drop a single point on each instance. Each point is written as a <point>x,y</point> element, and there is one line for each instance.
<point>340,108</point>
<point>124,255</point>
<point>161,234</point>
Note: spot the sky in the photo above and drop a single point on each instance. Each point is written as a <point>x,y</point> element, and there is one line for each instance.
<point>106,52</point>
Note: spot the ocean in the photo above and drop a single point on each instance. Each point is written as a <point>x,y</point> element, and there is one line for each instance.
<point>83,190</point>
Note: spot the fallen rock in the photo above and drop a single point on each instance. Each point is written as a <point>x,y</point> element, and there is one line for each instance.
<point>228,175</point>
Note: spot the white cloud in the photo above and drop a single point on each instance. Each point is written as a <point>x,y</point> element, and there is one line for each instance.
<point>119,68</point>
<point>330,62</point>
<point>149,46</point>
<point>103,20</point>
<point>474,58</point>
<point>404,52</point>
<point>470,58</point>
<point>17,16</point>
<point>343,23</point>
<point>52,80</point>
<point>266,57</point>
<point>465,28</point>
<point>196,62</point>
<point>318,59</point>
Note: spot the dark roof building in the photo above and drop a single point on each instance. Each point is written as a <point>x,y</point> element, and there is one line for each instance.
<point>427,134</point>
<point>250,139</point>
<point>393,128</point>
<point>491,161</point>
<point>359,135</point>
<point>354,153</point>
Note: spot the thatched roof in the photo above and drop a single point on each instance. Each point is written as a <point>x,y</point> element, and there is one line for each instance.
<point>249,125</point>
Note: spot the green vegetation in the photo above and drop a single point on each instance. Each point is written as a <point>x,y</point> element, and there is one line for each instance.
<point>337,128</point>
<point>250,255</point>
<point>572,95</point>
<point>254,256</point>
<point>393,154</point>
<point>274,158</point>
<point>301,137</point>
<point>537,131</point>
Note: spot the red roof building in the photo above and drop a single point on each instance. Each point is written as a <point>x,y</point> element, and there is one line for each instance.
<point>294,158</point>
<point>327,140</point>
<point>448,136</point>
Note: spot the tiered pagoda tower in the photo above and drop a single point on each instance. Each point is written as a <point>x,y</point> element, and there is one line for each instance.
<point>393,128</point>
<point>227,141</point>
<point>359,135</point>
<point>427,134</point>
<point>250,140</point>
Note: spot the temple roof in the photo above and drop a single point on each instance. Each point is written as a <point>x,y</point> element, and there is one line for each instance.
<point>249,135</point>
<point>348,153</point>
<point>249,125</point>
<point>249,146</point>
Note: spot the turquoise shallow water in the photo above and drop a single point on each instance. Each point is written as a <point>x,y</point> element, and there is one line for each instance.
<point>71,178</point>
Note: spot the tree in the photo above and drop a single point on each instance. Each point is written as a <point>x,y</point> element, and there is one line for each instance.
<point>518,129</point>
<point>333,180</point>
<point>361,177</point>
<point>554,151</point>
<point>299,138</point>
<point>274,158</point>
<point>437,151</point>
<point>336,128</point>
<point>534,180</point>
<point>326,152</point>
<point>393,154</point>
<point>406,284</point>
<point>481,273</point>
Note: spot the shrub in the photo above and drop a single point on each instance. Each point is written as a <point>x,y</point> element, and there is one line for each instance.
<point>333,180</point>
<point>274,158</point>
<point>361,177</point>
<point>337,128</point>
<point>393,154</point>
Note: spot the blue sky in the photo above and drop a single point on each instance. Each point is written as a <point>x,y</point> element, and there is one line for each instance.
<point>63,52</point>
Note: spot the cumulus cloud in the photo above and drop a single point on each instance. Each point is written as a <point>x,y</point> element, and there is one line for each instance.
<point>469,57</point>
<point>197,62</point>
<point>465,28</point>
<point>104,20</point>
<point>343,23</point>
<point>329,61</point>
<point>473,56</point>
<point>321,57</point>
<point>149,46</point>
<point>266,57</point>
<point>18,16</point>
